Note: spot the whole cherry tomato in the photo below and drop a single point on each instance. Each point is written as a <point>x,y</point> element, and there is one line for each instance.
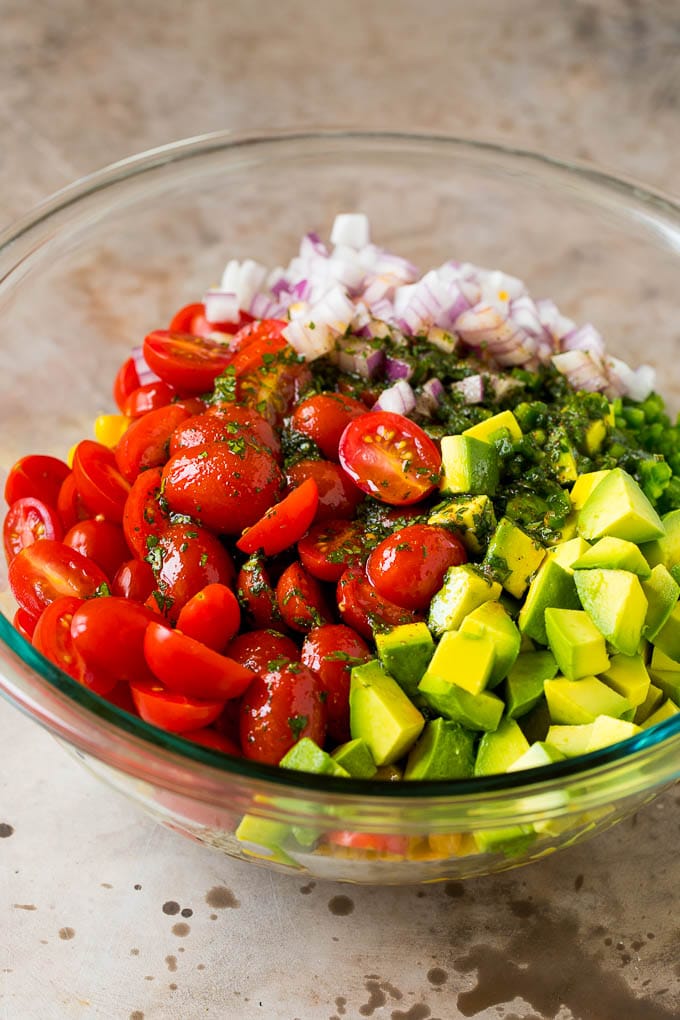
<point>101,541</point>
<point>331,652</point>
<point>338,495</point>
<point>27,520</point>
<point>211,616</point>
<point>260,650</point>
<point>108,634</point>
<point>148,397</point>
<point>408,567</point>
<point>330,547</point>
<point>364,609</point>
<point>279,708</point>
<point>222,423</point>
<point>256,594</point>
<point>301,599</point>
<point>46,570</point>
<point>324,417</point>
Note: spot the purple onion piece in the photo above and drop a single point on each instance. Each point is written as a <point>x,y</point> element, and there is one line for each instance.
<point>354,355</point>
<point>471,389</point>
<point>395,369</point>
<point>400,399</point>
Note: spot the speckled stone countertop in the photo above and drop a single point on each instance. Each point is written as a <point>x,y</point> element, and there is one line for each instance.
<point>105,915</point>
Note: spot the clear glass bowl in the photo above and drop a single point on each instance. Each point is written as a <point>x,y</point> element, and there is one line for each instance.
<point>85,276</point>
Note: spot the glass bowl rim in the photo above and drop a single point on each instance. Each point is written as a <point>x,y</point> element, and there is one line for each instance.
<point>184,752</point>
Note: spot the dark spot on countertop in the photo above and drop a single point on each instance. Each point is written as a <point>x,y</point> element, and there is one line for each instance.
<point>418,1011</point>
<point>213,917</point>
<point>341,906</point>
<point>578,883</point>
<point>106,885</point>
<point>522,908</point>
<point>136,1015</point>
<point>149,977</point>
<point>545,964</point>
<point>6,830</point>
<point>306,889</point>
<point>378,991</point>
<point>24,906</point>
<point>138,887</point>
<point>172,963</point>
<point>421,894</point>
<point>187,912</point>
<point>181,930</point>
<point>221,898</point>
<point>171,907</point>
<point>340,1003</point>
<point>134,952</point>
<point>67,933</point>
<point>437,976</point>
<point>200,966</point>
<point>454,889</point>
<point>172,987</point>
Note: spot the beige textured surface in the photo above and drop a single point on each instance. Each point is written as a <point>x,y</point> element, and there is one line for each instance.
<point>589,935</point>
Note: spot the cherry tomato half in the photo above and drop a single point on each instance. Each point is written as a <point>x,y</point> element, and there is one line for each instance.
<point>133,580</point>
<point>148,397</point>
<point>364,609</point>
<point>189,363</point>
<point>46,570</point>
<point>101,541</point>
<point>256,594</point>
<point>338,495</point>
<point>27,520</point>
<point>108,633</point>
<point>408,567</point>
<point>390,457</point>
<point>224,423</point>
<point>301,599</point>
<point>126,381</point>
<point>330,547</point>
<point>185,559</point>
<point>211,616</point>
<point>278,709</point>
<point>24,623</point>
<point>331,652</point>
<point>172,712</point>
<point>52,635</point>
<point>324,417</point>
<point>283,524</point>
<point>99,481</point>
<point>36,475</point>
<point>188,667</point>
<point>143,516</point>
<point>145,443</point>
<point>70,504</point>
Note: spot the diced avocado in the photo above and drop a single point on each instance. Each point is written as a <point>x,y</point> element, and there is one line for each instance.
<point>469,465</point>
<point>463,590</point>
<point>489,429</point>
<point>481,711</point>
<point>524,685</point>
<point>616,604</point>
<point>660,660</point>
<point>553,586</point>
<point>511,841</point>
<point>583,486</point>
<point>513,557</point>
<point>571,740</point>
<point>263,837</point>
<point>405,652</point>
<point>662,593</point>
<point>665,550</point>
<point>445,750</point>
<point>667,710</point>
<point>307,756</point>
<point>576,643</point>
<point>464,658</point>
<point>668,638</point>
<point>675,572</point>
<point>566,553</point>
<point>498,750</point>
<point>540,753</point>
<point>668,681</point>
<point>618,507</point>
<point>492,621</point>
<point>536,723</point>
<point>581,701</point>
<point>607,731</point>
<point>355,757</point>
<point>596,433</point>
<point>381,714</point>
<point>614,554</point>
<point>628,676</point>
<point>649,705</point>
<point>566,532</point>
<point>472,517</point>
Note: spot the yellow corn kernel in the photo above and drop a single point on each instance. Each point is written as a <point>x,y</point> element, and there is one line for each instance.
<point>69,455</point>
<point>108,428</point>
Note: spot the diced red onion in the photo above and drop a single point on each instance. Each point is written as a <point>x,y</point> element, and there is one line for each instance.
<point>144,373</point>
<point>396,368</point>
<point>429,397</point>
<point>264,306</point>
<point>400,399</point>
<point>442,340</point>
<point>583,338</point>
<point>499,288</point>
<point>643,383</point>
<point>487,327</point>
<point>243,279</point>
<point>221,306</point>
<point>311,340</point>
<point>558,325</point>
<point>311,244</point>
<point>352,229</point>
<point>346,269</point>
<point>360,357</point>
<point>584,371</point>
<point>471,389</point>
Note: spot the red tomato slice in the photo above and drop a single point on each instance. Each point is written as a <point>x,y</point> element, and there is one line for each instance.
<point>191,319</point>
<point>108,633</point>
<point>224,423</point>
<point>46,570</point>
<point>133,580</point>
<point>256,595</point>
<point>332,652</point>
<point>392,845</point>
<point>70,504</point>
<point>143,516</point>
<point>99,481</point>
<point>278,709</point>
<point>283,524</point>
<point>189,363</point>
<point>172,712</point>
<point>260,649</point>
<point>330,547</point>
<point>27,520</point>
<point>148,397</point>
<point>211,616</point>
<point>364,609</point>
<point>338,495</point>
<point>301,599</point>
<point>38,476</point>
<point>145,443</point>
<point>324,417</point>
<point>101,541</point>
<point>390,457</point>
<point>408,566</point>
<point>214,740</point>
<point>125,383</point>
<point>24,623</point>
<point>263,332</point>
<point>185,559</point>
<point>188,667</point>
<point>52,635</point>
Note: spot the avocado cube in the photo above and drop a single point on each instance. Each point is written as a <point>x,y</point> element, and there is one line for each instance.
<point>381,714</point>
<point>405,652</point>
<point>553,586</point>
<point>576,643</point>
<point>511,841</point>
<point>355,757</point>
<point>566,553</point>
<point>498,750</point>
<point>524,685</point>
<point>668,683</point>
<point>666,710</point>
<point>464,658</point>
<point>583,486</point>
<point>444,750</point>
<point>665,550</point>
<point>540,753</point>
<point>668,638</point>
<point>614,554</point>
<point>662,661</point>
<point>472,517</point>
<point>607,731</point>
<point>265,838</point>
<point>581,701</point>
<point>488,430</point>
<point>513,557</point>
<point>468,465</point>
<point>491,620</point>
<point>618,507</point>
<point>307,756</point>
<point>463,590</point>
<point>655,697</point>
<point>628,676</point>
<point>661,592</point>
<point>567,531</point>
<point>481,711</point>
<point>571,740</point>
<point>616,603</point>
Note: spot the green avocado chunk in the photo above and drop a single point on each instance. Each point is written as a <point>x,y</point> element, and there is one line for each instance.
<point>513,557</point>
<point>583,486</point>
<point>355,757</point>
<point>607,731</point>
<point>463,590</point>
<point>381,714</point>
<point>499,749</point>
<point>668,681</point>
<point>307,756</point>
<point>262,837</point>
<point>524,685</point>
<point>540,753</point>
<point>570,739</point>
<point>665,550</point>
<point>581,701</point>
<point>553,586</point>
<point>661,592</point>
<point>487,430</point>
<point>405,652</point>
<point>464,658</point>
<point>616,603</point>
<point>653,701</point>
<point>481,711</point>
<point>618,507</point>
<point>628,676</point>
<point>668,638</point>
<point>469,466</point>
<point>614,554</point>
<point>576,643</point>
<point>666,710</point>
<point>566,553</point>
<point>444,750</point>
<point>471,517</point>
<point>491,620</point>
